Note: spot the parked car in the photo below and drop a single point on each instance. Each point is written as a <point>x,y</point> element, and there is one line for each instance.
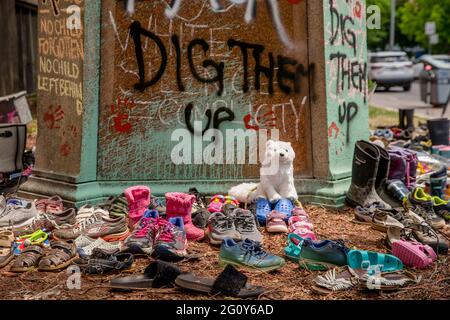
<point>391,69</point>
<point>428,59</point>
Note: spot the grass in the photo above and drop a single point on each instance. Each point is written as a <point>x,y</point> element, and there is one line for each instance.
<point>379,117</point>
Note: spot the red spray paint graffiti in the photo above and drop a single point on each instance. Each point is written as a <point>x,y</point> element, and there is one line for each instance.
<point>121,118</point>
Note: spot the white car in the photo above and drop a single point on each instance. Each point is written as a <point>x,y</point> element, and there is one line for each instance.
<point>391,69</point>
<point>422,62</point>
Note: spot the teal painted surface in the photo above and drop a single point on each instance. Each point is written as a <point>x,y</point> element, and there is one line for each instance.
<point>91,82</point>
<point>345,49</point>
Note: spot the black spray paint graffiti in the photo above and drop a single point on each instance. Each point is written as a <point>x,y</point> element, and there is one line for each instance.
<point>288,75</point>
<point>347,112</point>
<point>339,25</point>
<point>350,74</point>
<point>217,119</point>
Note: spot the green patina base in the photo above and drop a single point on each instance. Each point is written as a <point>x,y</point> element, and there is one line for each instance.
<point>324,193</point>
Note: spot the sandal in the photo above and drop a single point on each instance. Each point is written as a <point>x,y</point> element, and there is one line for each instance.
<point>28,259</point>
<point>6,238</point>
<point>387,281</point>
<point>157,274</point>
<point>230,282</point>
<point>102,262</point>
<point>337,279</point>
<point>413,254</point>
<point>59,257</point>
<point>373,261</point>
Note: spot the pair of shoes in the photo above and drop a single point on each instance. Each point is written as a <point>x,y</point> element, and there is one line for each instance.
<point>345,278</point>
<point>165,238</point>
<point>300,224</point>
<point>101,262</point>
<point>248,253</point>
<point>264,208</point>
<point>57,257</point>
<point>378,218</point>
<point>94,223</point>
<point>316,255</point>
<point>234,223</point>
<point>160,274</point>
<point>217,201</point>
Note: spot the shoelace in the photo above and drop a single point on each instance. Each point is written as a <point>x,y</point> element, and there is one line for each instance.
<point>340,245</point>
<point>246,223</point>
<point>254,249</point>
<point>224,223</point>
<point>425,211</point>
<point>144,228</point>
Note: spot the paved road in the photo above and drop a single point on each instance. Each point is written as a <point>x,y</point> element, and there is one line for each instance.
<point>396,98</point>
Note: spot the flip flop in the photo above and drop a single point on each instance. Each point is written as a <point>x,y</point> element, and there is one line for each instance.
<point>230,282</point>
<point>157,274</point>
<point>373,261</point>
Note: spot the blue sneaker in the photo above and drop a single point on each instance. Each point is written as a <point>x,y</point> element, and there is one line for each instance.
<point>248,253</point>
<point>262,210</point>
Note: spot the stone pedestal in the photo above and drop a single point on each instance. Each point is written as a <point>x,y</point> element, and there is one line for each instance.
<point>120,95</point>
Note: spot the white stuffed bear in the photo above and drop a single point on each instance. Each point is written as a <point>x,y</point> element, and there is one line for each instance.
<point>276,176</point>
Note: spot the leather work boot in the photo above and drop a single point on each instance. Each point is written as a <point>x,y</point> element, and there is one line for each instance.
<point>366,160</point>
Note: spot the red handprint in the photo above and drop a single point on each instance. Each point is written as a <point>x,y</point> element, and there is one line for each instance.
<point>52,118</point>
<point>268,121</point>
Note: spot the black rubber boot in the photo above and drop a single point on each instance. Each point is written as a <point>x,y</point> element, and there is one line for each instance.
<point>366,159</point>
<point>438,182</point>
<point>381,181</point>
<point>439,131</point>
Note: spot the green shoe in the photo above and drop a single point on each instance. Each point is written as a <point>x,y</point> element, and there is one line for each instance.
<point>316,255</point>
<point>442,208</point>
<point>248,253</point>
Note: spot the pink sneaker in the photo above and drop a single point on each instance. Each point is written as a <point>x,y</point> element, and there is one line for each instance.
<point>179,204</point>
<point>302,227</point>
<point>275,222</point>
<point>413,254</point>
<point>138,198</point>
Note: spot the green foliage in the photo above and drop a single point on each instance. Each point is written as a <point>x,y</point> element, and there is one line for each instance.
<point>415,13</point>
<point>379,38</point>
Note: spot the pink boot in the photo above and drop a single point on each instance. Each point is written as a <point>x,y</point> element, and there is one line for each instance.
<point>179,204</point>
<point>138,198</point>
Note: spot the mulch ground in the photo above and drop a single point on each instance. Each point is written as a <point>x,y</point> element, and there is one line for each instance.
<point>291,282</point>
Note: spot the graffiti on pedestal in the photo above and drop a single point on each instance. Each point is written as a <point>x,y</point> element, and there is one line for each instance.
<point>60,80</point>
<point>186,62</point>
<point>347,77</point>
